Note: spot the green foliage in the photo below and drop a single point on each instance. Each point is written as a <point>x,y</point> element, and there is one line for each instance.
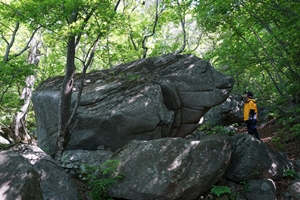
<point>234,194</point>
<point>12,82</point>
<point>290,173</point>
<point>220,190</point>
<point>254,45</point>
<point>252,41</point>
<point>295,129</point>
<point>101,178</point>
<point>48,151</point>
<point>277,142</point>
<point>5,146</point>
<point>209,129</point>
<point>246,188</point>
<point>254,172</point>
<point>13,74</point>
<point>289,122</point>
<point>133,77</point>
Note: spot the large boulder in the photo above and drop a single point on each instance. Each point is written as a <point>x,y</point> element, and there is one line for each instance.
<point>171,168</point>
<point>29,173</point>
<point>253,159</point>
<point>146,99</point>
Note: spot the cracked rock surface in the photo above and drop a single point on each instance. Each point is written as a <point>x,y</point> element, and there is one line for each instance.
<point>145,99</point>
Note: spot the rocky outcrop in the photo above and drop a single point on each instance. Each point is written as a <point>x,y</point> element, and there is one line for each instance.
<point>29,173</point>
<point>146,99</point>
<point>177,168</point>
<point>166,168</point>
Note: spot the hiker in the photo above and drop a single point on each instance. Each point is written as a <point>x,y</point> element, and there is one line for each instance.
<point>251,114</point>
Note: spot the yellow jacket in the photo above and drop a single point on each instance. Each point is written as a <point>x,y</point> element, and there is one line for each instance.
<point>250,110</point>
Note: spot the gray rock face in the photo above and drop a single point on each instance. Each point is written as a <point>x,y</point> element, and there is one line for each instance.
<point>171,168</point>
<point>252,159</point>
<point>28,173</point>
<point>294,189</point>
<point>261,189</point>
<point>18,178</point>
<point>74,160</point>
<point>167,168</point>
<point>146,99</point>
<point>3,140</point>
<point>228,112</point>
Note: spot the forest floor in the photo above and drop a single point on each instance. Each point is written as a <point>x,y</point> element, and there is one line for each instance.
<point>272,134</point>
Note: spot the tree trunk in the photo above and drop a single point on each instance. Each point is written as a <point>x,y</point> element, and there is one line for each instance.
<point>18,126</point>
<point>19,123</point>
<point>66,95</point>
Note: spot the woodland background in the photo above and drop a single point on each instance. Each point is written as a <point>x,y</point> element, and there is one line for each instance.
<point>256,42</point>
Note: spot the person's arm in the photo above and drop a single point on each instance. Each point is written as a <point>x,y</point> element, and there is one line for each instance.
<point>256,111</point>
<point>246,112</point>
<point>253,110</point>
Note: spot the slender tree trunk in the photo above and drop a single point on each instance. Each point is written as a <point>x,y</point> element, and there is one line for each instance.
<point>66,95</point>
<point>19,124</point>
<point>157,13</point>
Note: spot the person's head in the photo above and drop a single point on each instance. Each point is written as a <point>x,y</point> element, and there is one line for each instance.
<point>249,95</point>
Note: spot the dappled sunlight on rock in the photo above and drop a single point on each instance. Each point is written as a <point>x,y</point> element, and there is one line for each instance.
<point>169,167</point>
<point>178,160</point>
<point>252,154</point>
<point>145,99</point>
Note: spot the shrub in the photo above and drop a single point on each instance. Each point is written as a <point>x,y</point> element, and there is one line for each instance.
<point>209,129</point>
<point>220,190</point>
<point>99,178</point>
<point>290,173</point>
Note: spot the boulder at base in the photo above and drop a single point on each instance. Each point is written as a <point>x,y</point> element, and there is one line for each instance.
<point>146,99</point>
<point>29,173</point>
<point>171,168</point>
<point>253,159</point>
<point>18,178</point>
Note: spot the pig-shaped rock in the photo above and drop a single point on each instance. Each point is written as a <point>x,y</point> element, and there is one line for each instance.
<point>146,99</point>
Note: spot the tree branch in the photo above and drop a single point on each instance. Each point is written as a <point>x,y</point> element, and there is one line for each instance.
<point>28,42</point>
<point>12,40</point>
<point>153,30</point>
<point>182,22</point>
<point>117,5</point>
<point>131,39</point>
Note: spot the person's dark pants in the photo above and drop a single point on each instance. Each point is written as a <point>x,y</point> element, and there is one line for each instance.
<point>252,130</point>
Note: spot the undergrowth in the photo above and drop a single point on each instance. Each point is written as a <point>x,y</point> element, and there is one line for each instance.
<point>209,129</point>
<point>100,178</point>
